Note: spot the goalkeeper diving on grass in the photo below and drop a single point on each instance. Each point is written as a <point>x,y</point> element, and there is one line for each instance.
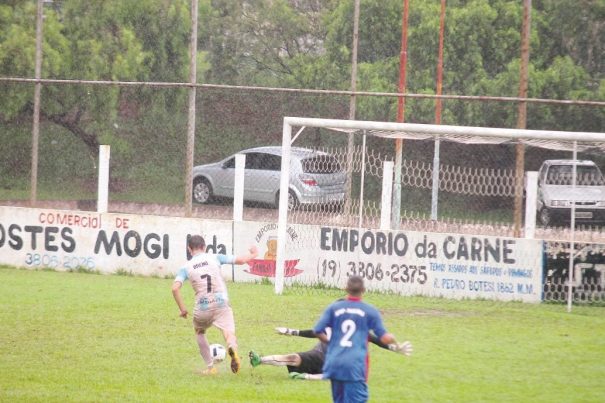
<point>308,364</point>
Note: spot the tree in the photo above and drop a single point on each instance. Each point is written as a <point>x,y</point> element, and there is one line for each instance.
<point>482,54</point>
<point>129,41</point>
<point>265,42</point>
<point>303,44</point>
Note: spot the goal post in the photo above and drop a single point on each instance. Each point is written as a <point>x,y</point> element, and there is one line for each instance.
<point>562,140</point>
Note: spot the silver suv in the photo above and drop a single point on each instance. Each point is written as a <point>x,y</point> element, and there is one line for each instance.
<point>556,195</point>
<point>316,177</point>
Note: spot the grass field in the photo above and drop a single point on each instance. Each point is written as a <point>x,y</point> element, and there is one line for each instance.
<point>85,337</point>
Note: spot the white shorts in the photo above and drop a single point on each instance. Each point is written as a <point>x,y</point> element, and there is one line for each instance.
<point>222,318</point>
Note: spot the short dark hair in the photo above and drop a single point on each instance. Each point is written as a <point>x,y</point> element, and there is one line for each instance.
<point>196,242</point>
<point>355,286</point>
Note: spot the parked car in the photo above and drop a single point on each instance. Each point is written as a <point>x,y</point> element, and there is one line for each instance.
<point>556,195</point>
<point>315,177</point>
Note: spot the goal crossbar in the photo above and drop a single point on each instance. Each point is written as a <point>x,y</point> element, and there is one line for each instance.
<point>400,130</point>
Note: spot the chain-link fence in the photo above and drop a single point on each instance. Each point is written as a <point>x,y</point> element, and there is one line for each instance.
<point>147,135</point>
<point>148,148</point>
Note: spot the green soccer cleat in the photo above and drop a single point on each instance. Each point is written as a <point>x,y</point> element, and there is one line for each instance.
<point>297,375</point>
<point>254,359</point>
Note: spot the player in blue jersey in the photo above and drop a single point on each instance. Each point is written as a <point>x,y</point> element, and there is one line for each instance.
<point>212,306</point>
<point>346,362</point>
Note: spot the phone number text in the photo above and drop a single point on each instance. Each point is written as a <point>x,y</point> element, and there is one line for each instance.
<point>55,261</point>
<point>395,273</point>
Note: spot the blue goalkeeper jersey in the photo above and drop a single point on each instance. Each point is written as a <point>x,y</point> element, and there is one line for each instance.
<point>351,321</point>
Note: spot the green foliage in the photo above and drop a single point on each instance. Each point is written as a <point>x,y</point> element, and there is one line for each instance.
<point>300,44</point>
<point>481,57</point>
<point>97,41</point>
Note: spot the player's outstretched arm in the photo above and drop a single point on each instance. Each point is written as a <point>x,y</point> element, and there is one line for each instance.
<point>311,377</point>
<point>252,253</point>
<point>308,333</point>
<point>404,348</point>
<point>286,331</point>
<point>375,340</point>
<point>388,341</point>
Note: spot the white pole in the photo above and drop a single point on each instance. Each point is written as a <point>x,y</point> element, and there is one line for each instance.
<point>363,172</point>
<point>103,185</point>
<point>387,193</point>
<point>531,191</point>
<point>435,189</point>
<point>282,222</point>
<point>238,188</point>
<point>572,246</point>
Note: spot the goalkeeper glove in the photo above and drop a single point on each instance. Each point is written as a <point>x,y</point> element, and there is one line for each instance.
<point>404,348</point>
<point>297,375</point>
<point>286,331</point>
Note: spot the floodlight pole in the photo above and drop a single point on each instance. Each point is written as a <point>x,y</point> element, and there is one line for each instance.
<point>191,111</point>
<point>403,57</point>
<point>352,109</point>
<point>36,117</point>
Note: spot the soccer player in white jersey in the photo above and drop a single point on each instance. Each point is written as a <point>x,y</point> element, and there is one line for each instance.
<point>211,299</point>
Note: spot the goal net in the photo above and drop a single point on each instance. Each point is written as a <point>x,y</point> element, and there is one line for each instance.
<point>397,221</point>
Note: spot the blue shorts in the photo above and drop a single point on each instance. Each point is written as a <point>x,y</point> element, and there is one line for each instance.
<point>349,391</point>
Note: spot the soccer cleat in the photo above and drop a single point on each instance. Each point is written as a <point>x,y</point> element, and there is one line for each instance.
<point>254,359</point>
<point>286,331</point>
<point>235,361</point>
<point>297,375</point>
<point>210,371</point>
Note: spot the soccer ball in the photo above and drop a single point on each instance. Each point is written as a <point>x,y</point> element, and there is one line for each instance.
<point>218,352</point>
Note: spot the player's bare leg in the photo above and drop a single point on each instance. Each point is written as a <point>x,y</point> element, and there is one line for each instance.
<point>279,360</point>
<point>231,341</point>
<point>202,342</point>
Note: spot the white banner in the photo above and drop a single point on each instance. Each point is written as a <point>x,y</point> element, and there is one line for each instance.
<point>69,240</point>
<point>409,263</point>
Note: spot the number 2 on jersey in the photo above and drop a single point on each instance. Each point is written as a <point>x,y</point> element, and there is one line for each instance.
<point>348,328</point>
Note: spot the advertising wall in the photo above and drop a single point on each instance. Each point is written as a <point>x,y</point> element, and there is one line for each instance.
<point>406,262</point>
<point>66,240</point>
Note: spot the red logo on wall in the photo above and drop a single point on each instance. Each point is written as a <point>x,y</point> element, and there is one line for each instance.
<point>266,267</point>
